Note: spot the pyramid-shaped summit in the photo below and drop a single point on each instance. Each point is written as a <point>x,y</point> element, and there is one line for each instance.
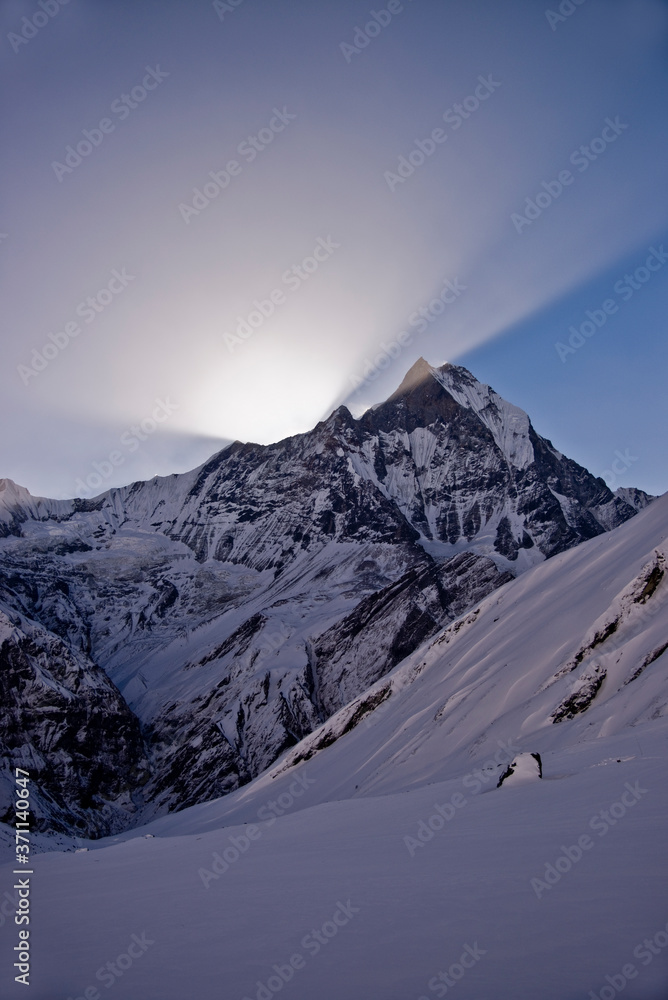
<point>418,373</point>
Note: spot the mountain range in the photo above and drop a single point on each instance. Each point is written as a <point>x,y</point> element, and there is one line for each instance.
<point>165,643</point>
<point>379,857</point>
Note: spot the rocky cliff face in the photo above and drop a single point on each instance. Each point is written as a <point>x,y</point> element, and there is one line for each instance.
<point>63,720</point>
<point>222,614</point>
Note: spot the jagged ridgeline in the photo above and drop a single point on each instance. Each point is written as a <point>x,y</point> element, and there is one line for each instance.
<point>163,643</point>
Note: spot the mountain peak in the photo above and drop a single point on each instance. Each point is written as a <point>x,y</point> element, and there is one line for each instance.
<point>11,493</point>
<point>415,375</point>
<point>509,425</point>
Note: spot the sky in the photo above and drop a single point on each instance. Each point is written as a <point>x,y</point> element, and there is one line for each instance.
<point>222,220</point>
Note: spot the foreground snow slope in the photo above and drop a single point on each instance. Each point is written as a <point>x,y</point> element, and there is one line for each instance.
<point>395,846</point>
<point>470,884</point>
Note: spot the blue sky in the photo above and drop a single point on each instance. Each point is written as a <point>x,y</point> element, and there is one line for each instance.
<point>252,308</point>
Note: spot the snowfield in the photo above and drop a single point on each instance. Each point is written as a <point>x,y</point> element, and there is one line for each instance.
<point>378,859</point>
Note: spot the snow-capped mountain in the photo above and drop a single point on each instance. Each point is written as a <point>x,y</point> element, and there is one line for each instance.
<point>378,857</point>
<point>202,624</point>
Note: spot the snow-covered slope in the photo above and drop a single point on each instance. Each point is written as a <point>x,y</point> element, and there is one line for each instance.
<point>377,858</point>
<point>237,606</point>
<point>501,672</point>
<point>509,426</point>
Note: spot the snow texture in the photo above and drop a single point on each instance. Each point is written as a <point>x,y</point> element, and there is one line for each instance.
<point>379,850</point>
